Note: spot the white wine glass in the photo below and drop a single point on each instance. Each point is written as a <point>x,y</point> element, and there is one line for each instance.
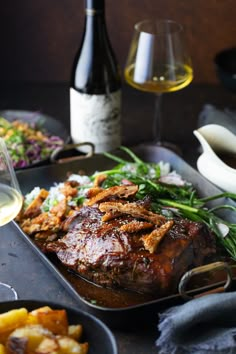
<point>10,205</point>
<point>158,62</point>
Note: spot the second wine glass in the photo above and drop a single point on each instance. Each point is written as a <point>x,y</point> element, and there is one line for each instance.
<point>10,205</point>
<point>158,62</point>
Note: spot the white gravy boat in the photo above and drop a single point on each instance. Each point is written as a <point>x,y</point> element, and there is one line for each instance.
<point>216,138</point>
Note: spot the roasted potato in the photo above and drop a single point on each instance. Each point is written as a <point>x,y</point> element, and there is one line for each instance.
<point>12,319</point>
<point>41,331</point>
<point>70,346</point>
<point>34,335</point>
<point>48,346</point>
<point>54,320</point>
<point>2,349</point>
<point>75,331</point>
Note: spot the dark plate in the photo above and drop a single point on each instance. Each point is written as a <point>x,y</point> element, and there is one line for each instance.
<point>118,308</point>
<point>95,332</point>
<point>49,124</point>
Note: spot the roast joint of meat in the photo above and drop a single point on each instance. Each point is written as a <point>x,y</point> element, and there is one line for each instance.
<point>114,240</point>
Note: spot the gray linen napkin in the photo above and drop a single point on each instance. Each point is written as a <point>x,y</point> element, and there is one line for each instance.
<point>206,325</point>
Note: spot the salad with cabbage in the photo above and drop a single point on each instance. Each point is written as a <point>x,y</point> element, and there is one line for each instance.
<point>27,142</point>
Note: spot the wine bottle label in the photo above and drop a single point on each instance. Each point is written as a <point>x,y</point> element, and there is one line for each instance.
<point>95,119</point>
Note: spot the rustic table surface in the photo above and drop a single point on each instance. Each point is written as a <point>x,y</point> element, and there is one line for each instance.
<point>19,265</point>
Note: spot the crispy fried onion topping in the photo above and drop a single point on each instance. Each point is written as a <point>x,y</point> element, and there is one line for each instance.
<point>34,208</point>
<point>40,223</point>
<point>136,226</point>
<point>99,179</point>
<point>152,240</point>
<point>132,209</point>
<point>116,191</point>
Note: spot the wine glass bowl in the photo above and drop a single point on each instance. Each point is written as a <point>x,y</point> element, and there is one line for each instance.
<point>10,195</point>
<point>10,205</point>
<point>158,62</point>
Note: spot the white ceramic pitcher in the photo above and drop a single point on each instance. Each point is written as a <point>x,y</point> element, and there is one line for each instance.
<point>215,139</point>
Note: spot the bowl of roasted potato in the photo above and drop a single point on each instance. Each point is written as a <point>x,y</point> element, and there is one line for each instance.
<point>35,327</point>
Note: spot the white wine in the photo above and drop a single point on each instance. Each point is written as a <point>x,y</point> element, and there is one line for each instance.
<point>95,88</point>
<point>10,203</point>
<point>169,79</point>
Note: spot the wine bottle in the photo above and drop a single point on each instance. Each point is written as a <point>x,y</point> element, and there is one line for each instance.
<point>95,89</point>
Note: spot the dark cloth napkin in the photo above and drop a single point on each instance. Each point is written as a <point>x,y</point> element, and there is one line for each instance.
<point>206,325</point>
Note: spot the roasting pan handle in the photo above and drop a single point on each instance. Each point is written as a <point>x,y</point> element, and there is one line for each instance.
<point>204,269</point>
<point>55,155</point>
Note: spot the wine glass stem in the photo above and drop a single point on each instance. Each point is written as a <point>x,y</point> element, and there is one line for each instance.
<point>157,122</point>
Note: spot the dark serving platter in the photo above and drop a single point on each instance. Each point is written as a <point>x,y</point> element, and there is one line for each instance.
<point>118,308</point>
<point>95,332</point>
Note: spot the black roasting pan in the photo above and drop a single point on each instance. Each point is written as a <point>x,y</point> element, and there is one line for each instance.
<point>123,309</point>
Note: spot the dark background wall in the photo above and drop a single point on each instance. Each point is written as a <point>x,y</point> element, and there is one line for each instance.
<point>38,38</point>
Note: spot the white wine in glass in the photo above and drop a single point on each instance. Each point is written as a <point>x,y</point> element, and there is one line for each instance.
<point>10,205</point>
<point>158,62</point>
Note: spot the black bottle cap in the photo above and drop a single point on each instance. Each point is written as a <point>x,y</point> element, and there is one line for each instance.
<point>95,5</point>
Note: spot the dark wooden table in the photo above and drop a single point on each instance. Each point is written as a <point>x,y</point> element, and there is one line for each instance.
<point>19,265</point>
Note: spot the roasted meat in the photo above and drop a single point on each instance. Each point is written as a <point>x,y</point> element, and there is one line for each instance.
<point>139,251</point>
